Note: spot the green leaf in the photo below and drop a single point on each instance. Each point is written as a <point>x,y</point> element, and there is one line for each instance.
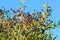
<point>54,38</point>
<point>46,6</point>
<point>54,24</point>
<point>59,23</point>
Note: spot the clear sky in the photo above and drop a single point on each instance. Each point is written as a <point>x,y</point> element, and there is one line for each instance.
<point>36,4</point>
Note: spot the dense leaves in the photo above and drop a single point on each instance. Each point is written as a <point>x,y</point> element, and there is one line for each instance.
<point>27,26</point>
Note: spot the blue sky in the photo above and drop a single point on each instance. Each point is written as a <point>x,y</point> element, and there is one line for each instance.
<point>36,4</point>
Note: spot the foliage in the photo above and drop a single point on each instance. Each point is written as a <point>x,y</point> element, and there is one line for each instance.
<point>27,26</point>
